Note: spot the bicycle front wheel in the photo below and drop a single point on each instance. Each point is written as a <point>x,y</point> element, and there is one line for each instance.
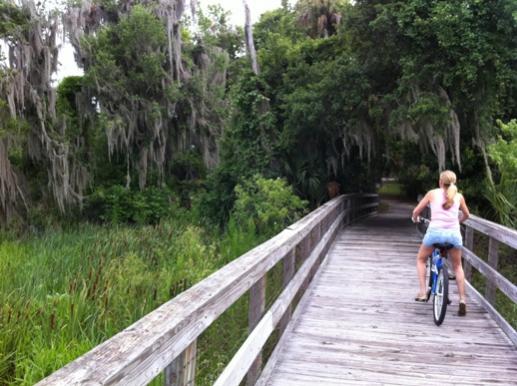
<point>441,297</point>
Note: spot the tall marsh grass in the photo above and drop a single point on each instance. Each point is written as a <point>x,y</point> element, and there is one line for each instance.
<point>65,292</point>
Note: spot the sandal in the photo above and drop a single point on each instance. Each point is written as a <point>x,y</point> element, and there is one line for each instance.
<point>422,298</point>
<point>462,310</point>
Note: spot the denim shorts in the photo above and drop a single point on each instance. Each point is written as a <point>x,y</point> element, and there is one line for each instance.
<point>442,236</point>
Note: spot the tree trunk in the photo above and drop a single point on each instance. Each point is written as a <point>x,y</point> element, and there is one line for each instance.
<point>250,45</point>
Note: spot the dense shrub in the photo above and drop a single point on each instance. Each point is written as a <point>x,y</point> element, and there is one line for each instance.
<point>120,205</point>
<point>268,205</point>
<point>502,194</point>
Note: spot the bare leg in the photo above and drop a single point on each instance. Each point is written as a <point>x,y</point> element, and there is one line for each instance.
<point>455,254</point>
<point>423,254</point>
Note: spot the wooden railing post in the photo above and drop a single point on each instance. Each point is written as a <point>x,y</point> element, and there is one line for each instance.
<point>302,252</point>
<point>287,275</point>
<point>182,372</point>
<point>469,244</point>
<point>493,258</point>
<point>257,305</point>
<point>346,207</point>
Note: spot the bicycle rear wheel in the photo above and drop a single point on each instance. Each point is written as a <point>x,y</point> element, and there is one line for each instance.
<point>441,297</point>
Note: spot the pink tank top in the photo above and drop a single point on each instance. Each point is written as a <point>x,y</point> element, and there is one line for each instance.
<point>444,218</point>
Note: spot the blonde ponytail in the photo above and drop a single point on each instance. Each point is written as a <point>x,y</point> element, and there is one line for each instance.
<point>448,179</point>
<point>451,192</point>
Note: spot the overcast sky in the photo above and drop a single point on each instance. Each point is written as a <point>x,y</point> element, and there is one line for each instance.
<point>258,7</point>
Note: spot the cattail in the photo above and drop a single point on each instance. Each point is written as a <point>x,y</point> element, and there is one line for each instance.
<point>106,299</point>
<point>53,321</point>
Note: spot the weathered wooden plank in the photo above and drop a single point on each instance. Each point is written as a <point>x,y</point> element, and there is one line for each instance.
<point>398,360</point>
<point>391,369</point>
<point>234,372</point>
<point>499,232</point>
<point>140,352</point>
<point>494,277</point>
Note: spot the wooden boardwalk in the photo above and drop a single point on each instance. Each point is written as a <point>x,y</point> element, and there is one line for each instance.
<point>358,322</point>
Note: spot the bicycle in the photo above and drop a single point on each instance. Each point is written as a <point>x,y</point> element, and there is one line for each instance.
<point>438,278</point>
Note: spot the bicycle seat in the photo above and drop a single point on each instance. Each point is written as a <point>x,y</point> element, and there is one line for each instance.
<point>443,246</point>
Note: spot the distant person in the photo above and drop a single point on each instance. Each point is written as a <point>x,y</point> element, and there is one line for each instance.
<point>445,203</point>
<point>333,189</point>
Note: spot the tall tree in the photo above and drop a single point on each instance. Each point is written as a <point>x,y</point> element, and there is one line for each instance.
<point>250,44</point>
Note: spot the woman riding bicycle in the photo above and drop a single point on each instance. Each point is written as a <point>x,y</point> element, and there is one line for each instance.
<point>445,203</point>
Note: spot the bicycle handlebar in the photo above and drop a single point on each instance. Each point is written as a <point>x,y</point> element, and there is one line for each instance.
<point>420,220</point>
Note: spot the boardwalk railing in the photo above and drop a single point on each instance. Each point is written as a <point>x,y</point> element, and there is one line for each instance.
<point>165,339</point>
<point>497,234</point>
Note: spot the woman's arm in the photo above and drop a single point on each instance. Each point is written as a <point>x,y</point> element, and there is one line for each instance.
<point>421,205</point>
<point>465,214</point>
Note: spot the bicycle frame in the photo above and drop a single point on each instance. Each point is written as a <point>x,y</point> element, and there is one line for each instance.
<point>437,264</point>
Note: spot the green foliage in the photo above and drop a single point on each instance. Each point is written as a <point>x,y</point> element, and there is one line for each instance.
<point>216,202</point>
<point>391,189</point>
<point>503,195</point>
<point>67,90</point>
<point>267,205</point>
<point>215,30</point>
<point>10,127</point>
<point>246,147</point>
<point>13,19</point>
<point>127,56</point>
<point>247,144</point>
<point>118,205</point>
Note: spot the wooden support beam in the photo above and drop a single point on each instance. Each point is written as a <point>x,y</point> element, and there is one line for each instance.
<point>182,371</point>
<point>469,244</point>
<point>304,253</point>
<point>257,305</point>
<point>493,258</point>
<point>287,275</point>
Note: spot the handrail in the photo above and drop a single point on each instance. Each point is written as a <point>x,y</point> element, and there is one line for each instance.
<point>497,234</point>
<point>165,339</point>
<point>496,231</point>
